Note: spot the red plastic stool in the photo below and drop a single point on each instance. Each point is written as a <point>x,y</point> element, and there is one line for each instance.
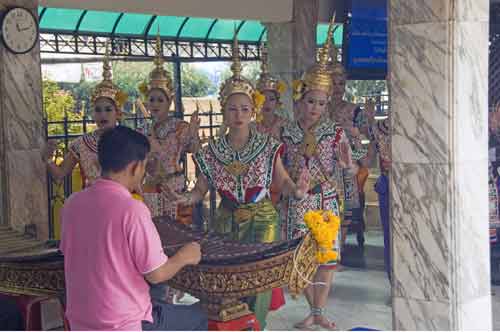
<point>30,307</point>
<point>245,323</point>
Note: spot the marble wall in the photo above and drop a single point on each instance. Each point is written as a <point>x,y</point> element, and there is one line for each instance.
<point>280,45</point>
<point>438,81</point>
<point>24,188</point>
<point>292,46</point>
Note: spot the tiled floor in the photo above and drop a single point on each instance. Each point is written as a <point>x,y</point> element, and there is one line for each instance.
<point>358,299</point>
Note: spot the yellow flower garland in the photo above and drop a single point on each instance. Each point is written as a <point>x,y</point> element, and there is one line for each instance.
<point>324,227</point>
<point>258,101</point>
<point>281,87</point>
<point>121,98</point>
<point>143,88</point>
<point>298,87</point>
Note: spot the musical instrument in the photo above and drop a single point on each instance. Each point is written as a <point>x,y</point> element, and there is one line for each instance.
<point>227,272</point>
<point>29,267</point>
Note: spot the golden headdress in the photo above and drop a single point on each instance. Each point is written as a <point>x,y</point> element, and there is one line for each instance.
<point>337,67</point>
<point>159,78</point>
<point>106,88</point>
<point>266,81</point>
<point>238,83</point>
<point>319,76</point>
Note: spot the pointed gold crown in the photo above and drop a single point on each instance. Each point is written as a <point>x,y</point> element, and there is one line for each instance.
<point>319,76</point>
<point>266,80</point>
<point>236,83</point>
<point>106,88</point>
<point>337,67</point>
<point>159,77</point>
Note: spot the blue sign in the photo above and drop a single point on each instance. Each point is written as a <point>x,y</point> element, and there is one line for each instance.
<point>366,51</point>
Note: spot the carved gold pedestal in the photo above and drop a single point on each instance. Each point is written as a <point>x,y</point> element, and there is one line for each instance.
<point>32,278</point>
<point>226,310</point>
<point>221,288</point>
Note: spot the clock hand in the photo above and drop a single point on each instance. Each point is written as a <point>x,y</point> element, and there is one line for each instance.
<point>17,27</point>
<point>24,29</point>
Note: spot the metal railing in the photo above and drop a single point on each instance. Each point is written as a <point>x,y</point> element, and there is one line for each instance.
<point>381,104</point>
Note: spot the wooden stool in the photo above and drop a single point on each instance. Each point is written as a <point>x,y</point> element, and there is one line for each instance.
<point>245,323</point>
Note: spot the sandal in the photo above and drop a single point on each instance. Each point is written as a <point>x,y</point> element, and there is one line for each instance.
<point>302,325</point>
<point>325,322</point>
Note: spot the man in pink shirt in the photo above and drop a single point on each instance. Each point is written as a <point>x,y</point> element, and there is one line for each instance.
<point>112,249</point>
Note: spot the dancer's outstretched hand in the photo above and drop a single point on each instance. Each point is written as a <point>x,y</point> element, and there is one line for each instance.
<point>303,183</point>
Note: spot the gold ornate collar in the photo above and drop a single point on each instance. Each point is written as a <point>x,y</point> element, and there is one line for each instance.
<point>238,162</point>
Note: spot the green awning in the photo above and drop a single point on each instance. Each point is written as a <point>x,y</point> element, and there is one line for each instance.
<point>90,22</point>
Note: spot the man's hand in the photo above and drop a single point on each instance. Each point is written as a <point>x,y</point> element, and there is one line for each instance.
<point>190,254</point>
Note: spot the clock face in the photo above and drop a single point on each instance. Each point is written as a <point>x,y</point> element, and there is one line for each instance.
<point>19,30</point>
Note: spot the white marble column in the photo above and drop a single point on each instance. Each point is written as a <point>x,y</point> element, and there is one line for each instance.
<point>292,46</point>
<point>439,203</point>
<point>23,174</point>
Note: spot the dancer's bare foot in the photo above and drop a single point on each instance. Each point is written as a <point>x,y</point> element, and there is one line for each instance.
<point>305,324</point>
<point>324,322</point>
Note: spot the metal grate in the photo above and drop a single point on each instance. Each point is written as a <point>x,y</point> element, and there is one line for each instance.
<point>186,51</point>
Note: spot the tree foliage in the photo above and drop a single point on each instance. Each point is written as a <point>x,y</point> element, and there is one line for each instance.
<point>251,70</point>
<point>59,105</point>
<point>195,83</point>
<point>356,89</point>
<point>128,75</point>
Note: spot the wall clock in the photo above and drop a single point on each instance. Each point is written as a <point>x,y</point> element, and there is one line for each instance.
<point>19,30</point>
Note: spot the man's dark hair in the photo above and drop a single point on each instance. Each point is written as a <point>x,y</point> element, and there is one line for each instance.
<point>120,146</point>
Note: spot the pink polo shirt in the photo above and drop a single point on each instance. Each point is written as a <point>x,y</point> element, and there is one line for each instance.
<point>109,243</point>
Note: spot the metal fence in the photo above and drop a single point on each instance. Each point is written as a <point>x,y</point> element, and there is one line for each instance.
<point>381,104</point>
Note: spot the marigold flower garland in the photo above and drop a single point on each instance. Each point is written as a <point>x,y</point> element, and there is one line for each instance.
<point>324,227</point>
<point>258,100</point>
<point>281,87</point>
<point>298,89</point>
